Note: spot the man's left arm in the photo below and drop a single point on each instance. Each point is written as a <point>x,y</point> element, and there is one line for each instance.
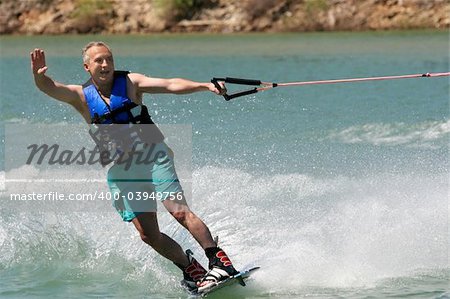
<point>146,84</point>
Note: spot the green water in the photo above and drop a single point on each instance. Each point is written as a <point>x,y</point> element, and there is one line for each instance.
<point>336,191</point>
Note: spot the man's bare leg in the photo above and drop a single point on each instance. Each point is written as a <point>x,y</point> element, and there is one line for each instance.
<point>181,212</point>
<point>147,225</point>
<point>219,264</point>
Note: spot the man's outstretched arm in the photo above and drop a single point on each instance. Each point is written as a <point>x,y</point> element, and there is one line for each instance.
<point>66,93</point>
<point>146,84</point>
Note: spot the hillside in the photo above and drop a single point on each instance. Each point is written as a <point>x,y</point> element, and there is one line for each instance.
<point>223,16</point>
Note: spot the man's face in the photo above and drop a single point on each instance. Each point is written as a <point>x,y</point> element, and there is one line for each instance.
<point>100,65</point>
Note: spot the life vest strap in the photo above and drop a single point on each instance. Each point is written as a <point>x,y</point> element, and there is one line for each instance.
<point>111,115</point>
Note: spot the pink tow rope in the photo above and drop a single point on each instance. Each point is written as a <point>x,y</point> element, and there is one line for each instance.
<point>268,85</point>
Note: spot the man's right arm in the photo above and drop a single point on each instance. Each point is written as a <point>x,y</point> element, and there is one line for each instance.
<point>71,94</point>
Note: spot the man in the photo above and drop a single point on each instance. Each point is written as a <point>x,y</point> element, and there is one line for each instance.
<point>97,102</point>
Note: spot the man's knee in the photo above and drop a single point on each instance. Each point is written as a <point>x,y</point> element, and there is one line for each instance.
<point>180,216</point>
<point>151,238</point>
<point>183,217</point>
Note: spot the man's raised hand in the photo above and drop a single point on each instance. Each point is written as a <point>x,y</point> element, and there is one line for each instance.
<point>38,65</point>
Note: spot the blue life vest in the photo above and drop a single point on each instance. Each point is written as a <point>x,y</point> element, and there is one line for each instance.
<point>121,110</point>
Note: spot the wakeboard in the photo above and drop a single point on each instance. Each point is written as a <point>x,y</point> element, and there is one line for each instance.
<point>238,278</point>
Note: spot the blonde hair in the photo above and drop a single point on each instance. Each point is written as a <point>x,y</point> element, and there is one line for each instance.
<point>90,45</point>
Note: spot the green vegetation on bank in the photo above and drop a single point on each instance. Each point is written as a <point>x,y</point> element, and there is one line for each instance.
<point>314,6</point>
<point>175,10</point>
<point>89,8</point>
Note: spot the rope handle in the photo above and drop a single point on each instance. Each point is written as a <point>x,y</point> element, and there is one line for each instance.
<point>240,81</point>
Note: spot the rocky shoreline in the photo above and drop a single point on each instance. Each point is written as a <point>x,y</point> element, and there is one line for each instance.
<point>32,17</point>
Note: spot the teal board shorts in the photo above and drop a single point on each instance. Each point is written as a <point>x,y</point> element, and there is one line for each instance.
<point>136,187</point>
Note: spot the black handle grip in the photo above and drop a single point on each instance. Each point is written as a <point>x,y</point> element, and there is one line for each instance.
<point>242,81</point>
<point>228,97</point>
<point>215,81</point>
<point>237,81</point>
<point>239,94</point>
